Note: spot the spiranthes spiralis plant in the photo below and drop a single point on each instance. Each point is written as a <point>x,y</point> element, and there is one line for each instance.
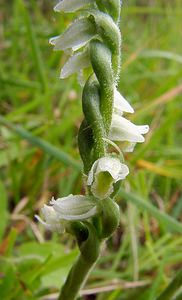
<point>94,44</point>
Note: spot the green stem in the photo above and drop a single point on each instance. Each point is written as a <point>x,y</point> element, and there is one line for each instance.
<point>76,279</point>
<point>172,288</point>
<point>90,248</point>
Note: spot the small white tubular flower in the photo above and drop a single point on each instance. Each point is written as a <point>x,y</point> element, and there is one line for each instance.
<point>52,221</point>
<point>104,173</point>
<point>121,104</point>
<point>124,130</point>
<point>128,147</point>
<point>76,36</point>
<point>71,5</point>
<point>75,63</point>
<point>75,207</point>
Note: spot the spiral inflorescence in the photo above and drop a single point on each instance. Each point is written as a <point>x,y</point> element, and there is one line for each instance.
<point>94,41</point>
<point>98,93</point>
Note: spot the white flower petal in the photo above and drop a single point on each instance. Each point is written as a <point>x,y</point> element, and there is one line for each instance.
<point>71,5</point>
<point>74,207</point>
<point>81,78</point>
<point>48,226</point>
<point>92,172</point>
<point>75,63</point>
<point>124,171</point>
<point>52,221</point>
<point>90,213</point>
<point>110,165</point>
<point>79,45</point>
<point>124,130</point>
<point>76,36</point>
<point>104,173</point>
<point>121,104</point>
<point>143,129</point>
<point>129,147</point>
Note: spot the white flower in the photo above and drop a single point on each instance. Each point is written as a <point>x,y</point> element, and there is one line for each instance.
<point>75,63</point>
<point>128,147</point>
<point>124,130</point>
<point>75,207</point>
<point>78,34</point>
<point>70,208</point>
<point>104,173</point>
<point>121,104</point>
<point>71,5</point>
<point>52,221</point>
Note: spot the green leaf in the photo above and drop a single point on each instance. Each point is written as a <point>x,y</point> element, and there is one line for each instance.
<point>47,262</point>
<point>8,280</point>
<point>172,288</point>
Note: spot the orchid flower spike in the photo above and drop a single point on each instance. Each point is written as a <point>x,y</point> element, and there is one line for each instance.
<point>104,173</point>
<point>70,208</point>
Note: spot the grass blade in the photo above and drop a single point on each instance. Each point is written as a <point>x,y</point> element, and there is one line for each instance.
<point>162,217</point>
<point>36,53</point>
<point>42,144</point>
<point>172,287</point>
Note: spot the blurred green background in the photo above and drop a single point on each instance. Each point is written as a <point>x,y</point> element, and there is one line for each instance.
<point>39,120</point>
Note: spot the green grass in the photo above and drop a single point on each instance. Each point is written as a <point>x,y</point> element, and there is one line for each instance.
<point>39,120</point>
